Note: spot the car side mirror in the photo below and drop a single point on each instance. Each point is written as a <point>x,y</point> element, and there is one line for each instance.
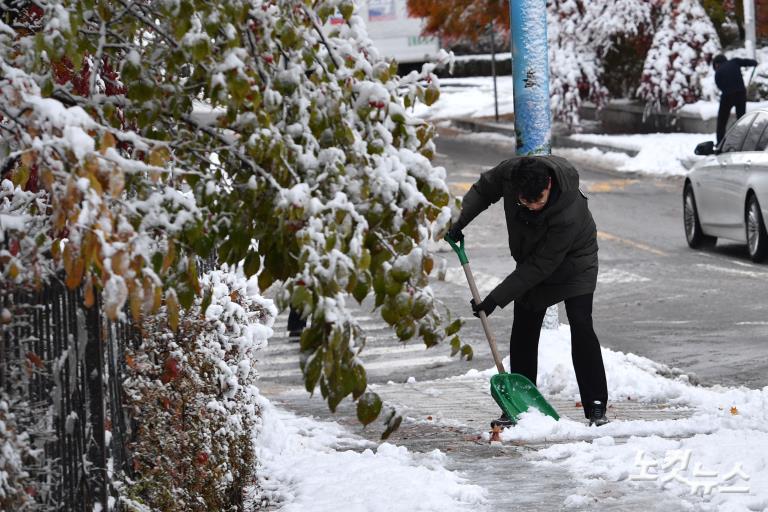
<point>705,148</point>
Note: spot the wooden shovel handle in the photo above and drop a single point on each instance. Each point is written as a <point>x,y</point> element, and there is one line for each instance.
<point>483,318</point>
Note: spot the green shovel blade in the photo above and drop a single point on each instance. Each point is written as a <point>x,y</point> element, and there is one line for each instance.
<point>515,393</point>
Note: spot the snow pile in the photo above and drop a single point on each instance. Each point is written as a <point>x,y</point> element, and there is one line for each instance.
<point>299,456</point>
<point>658,153</point>
<point>716,457</point>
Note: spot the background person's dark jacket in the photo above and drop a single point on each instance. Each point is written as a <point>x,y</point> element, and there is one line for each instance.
<point>555,249</point>
<point>728,76</point>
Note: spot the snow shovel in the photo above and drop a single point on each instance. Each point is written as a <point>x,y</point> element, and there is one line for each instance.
<point>513,392</point>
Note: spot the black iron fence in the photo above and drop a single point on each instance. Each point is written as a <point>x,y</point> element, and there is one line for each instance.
<point>61,366</point>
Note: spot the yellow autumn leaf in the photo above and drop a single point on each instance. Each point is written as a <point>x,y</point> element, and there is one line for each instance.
<point>158,299</point>
<point>194,281</point>
<point>172,303</point>
<point>95,183</point>
<point>56,250</point>
<point>734,410</point>
<point>135,303</point>
<point>75,276</point>
<point>28,158</point>
<point>107,141</point>
<point>89,248</point>
<point>20,176</point>
<point>170,255</point>
<point>59,221</point>
<point>89,296</point>
<point>118,263</point>
<point>91,164</point>
<point>158,156</point>
<point>47,178</point>
<point>116,182</point>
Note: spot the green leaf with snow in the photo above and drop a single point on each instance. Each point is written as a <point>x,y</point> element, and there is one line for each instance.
<point>368,407</point>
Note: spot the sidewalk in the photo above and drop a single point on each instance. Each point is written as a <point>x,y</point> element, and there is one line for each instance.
<point>452,414</point>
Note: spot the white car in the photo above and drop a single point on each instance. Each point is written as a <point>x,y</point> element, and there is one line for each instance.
<point>726,194</point>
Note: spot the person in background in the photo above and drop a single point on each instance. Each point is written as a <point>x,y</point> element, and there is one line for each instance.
<point>730,82</point>
<point>296,325</point>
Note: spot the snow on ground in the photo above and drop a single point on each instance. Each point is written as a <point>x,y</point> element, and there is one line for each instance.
<point>716,459</point>
<point>659,153</point>
<point>666,154</point>
<point>469,97</point>
<point>306,464</point>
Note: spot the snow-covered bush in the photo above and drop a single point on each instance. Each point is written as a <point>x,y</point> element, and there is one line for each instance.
<point>153,133</point>
<point>679,59</point>
<point>583,35</point>
<point>192,394</point>
<point>574,62</point>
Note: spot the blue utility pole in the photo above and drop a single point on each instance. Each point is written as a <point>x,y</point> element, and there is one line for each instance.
<point>530,72</point>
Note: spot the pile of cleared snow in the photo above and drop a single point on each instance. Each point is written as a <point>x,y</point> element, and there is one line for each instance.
<point>667,154</point>
<point>659,153</point>
<point>717,458</point>
<point>311,465</point>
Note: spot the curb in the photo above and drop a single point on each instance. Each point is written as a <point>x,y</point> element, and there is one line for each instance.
<point>560,141</point>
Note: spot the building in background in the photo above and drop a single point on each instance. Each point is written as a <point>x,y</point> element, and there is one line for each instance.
<point>395,34</point>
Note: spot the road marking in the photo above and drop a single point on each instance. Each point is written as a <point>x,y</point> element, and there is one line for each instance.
<point>670,322</point>
<point>733,271</point>
<point>461,187</point>
<point>609,185</point>
<point>602,235</point>
<point>751,323</point>
<point>618,276</point>
<point>743,264</point>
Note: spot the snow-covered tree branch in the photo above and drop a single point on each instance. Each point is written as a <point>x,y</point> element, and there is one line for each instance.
<point>140,136</point>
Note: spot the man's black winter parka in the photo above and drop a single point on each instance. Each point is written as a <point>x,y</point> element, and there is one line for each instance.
<point>555,248</point>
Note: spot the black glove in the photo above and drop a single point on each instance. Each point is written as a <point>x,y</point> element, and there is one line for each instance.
<point>455,234</point>
<point>487,306</point>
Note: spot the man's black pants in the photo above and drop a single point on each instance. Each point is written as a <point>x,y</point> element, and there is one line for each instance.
<point>296,324</point>
<point>585,347</point>
<point>729,100</point>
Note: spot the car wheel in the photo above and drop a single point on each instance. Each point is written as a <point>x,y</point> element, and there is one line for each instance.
<point>757,239</point>
<point>693,233</point>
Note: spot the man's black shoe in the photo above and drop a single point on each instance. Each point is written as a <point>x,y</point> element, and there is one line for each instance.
<point>503,422</point>
<point>597,415</point>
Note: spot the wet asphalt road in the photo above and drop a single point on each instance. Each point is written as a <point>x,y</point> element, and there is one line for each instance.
<point>705,312</point>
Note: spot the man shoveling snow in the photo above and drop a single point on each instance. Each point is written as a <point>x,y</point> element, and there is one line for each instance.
<point>553,239</point>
